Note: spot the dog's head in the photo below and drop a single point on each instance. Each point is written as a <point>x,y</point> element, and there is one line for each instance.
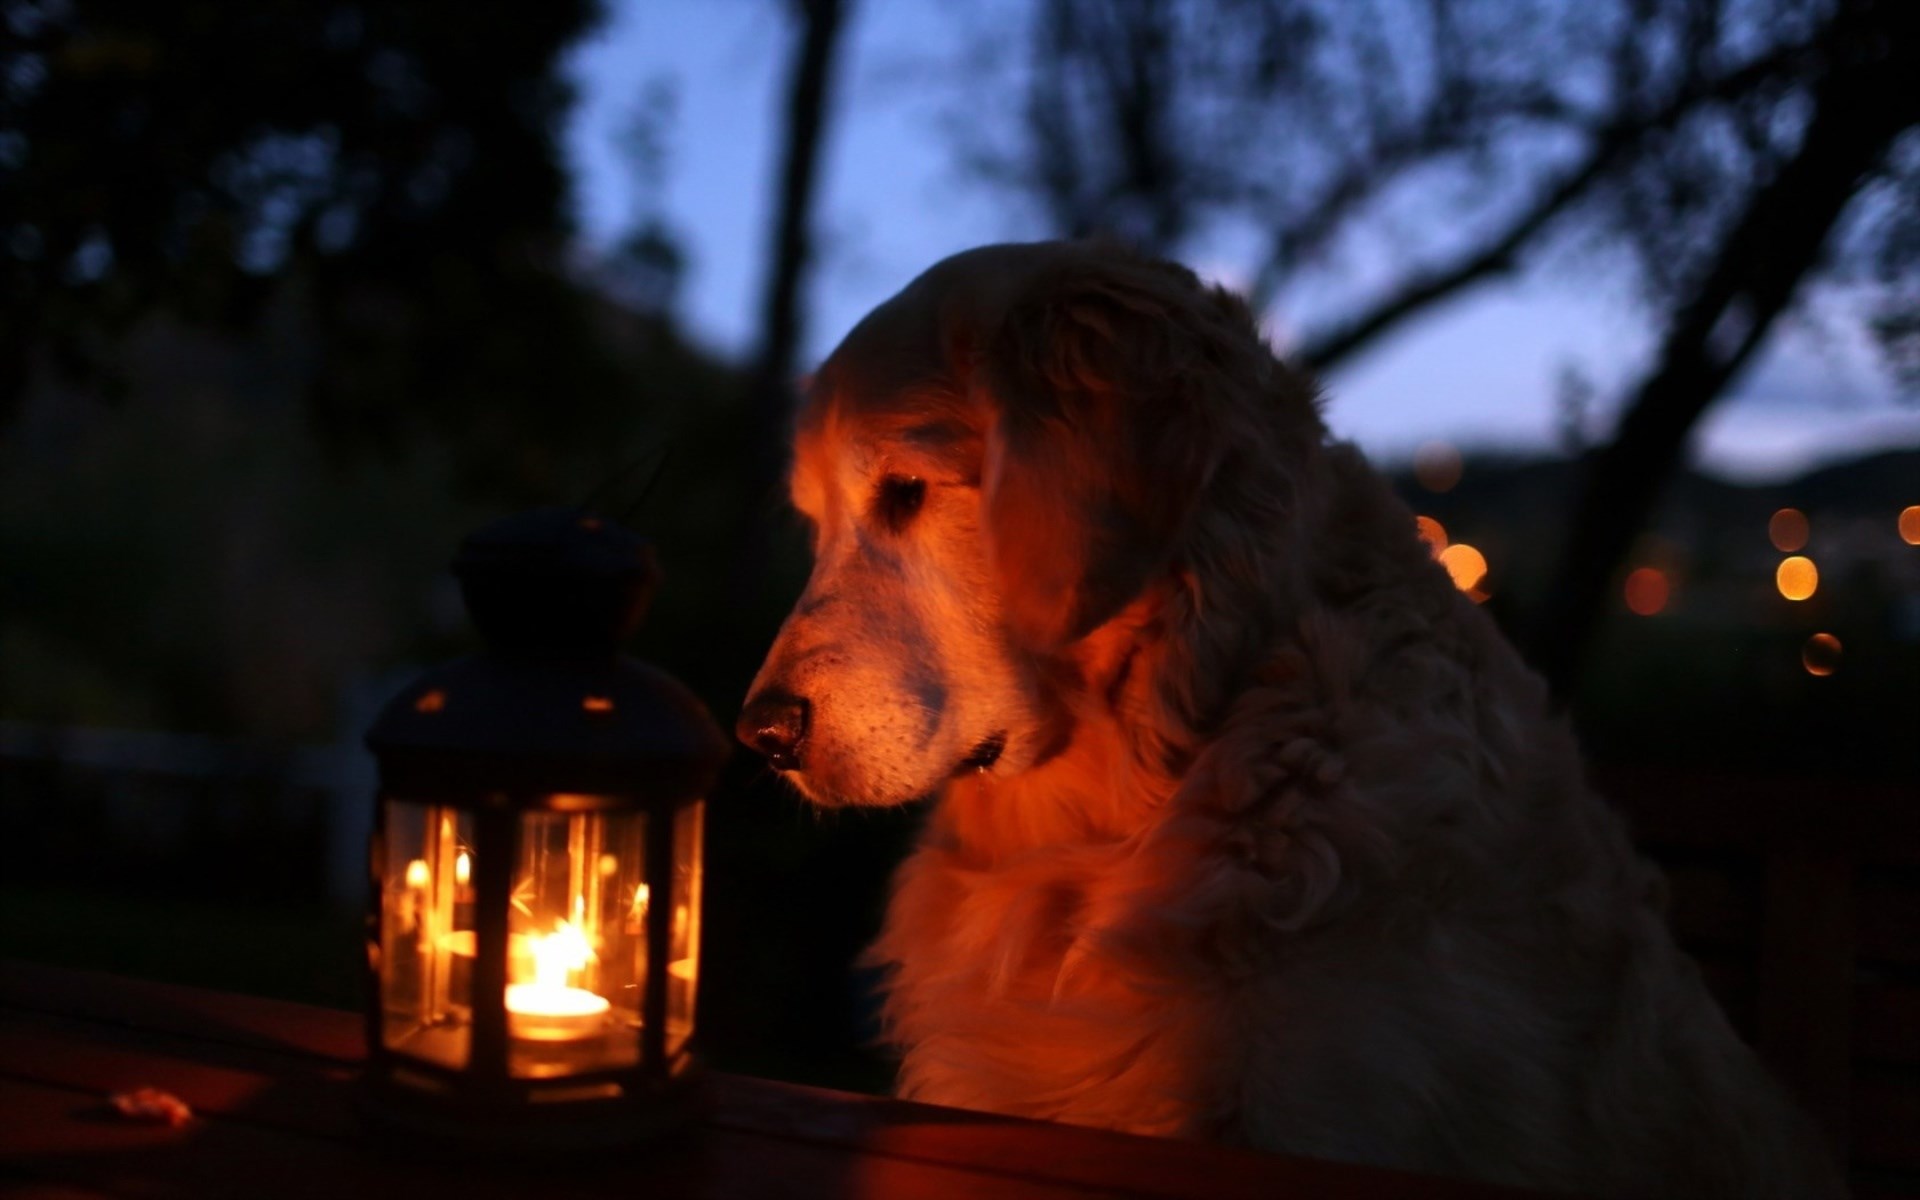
<point>999,466</point>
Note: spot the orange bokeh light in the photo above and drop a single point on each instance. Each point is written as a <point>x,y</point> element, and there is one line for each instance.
<point>1432,532</point>
<point>1788,528</point>
<point>597,704</point>
<point>1797,578</point>
<point>1437,466</point>
<point>1821,654</point>
<point>1910,525</point>
<point>430,702</point>
<point>1468,567</point>
<point>1647,591</point>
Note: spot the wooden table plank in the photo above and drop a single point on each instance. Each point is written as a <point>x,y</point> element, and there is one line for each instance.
<point>1120,1162</point>
<point>249,1110</point>
<point>272,1084</point>
<point>61,1054</point>
<point>68,1137</point>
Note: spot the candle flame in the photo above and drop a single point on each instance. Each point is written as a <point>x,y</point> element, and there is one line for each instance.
<point>417,876</point>
<point>558,954</point>
<point>462,868</point>
<point>641,895</point>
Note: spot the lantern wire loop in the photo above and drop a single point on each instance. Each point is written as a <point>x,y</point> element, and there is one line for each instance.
<point>654,461</point>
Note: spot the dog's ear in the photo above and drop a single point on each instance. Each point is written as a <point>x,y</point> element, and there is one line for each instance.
<point>1102,438</point>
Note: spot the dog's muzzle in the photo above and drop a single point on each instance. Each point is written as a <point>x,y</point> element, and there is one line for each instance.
<point>774,725</point>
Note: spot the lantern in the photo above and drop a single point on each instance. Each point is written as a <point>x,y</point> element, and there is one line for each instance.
<point>534,930</point>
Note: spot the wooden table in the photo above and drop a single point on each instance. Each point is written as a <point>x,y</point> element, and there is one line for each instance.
<point>270,1086</point>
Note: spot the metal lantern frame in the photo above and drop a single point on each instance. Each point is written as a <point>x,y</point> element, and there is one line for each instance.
<point>548,723</point>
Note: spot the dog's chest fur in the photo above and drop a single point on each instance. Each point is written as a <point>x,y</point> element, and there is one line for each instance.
<point>1010,993</point>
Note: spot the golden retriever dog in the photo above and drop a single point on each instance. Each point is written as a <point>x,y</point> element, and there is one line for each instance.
<point>1247,824</point>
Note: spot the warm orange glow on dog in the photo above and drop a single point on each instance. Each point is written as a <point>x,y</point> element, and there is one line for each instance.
<point>1797,578</point>
<point>1432,532</point>
<point>1788,529</point>
<point>1821,654</point>
<point>1647,591</point>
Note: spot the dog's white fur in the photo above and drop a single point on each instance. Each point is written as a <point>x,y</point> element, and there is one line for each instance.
<point>1283,847</point>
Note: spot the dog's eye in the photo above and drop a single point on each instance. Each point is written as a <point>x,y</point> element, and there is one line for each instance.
<point>898,500</point>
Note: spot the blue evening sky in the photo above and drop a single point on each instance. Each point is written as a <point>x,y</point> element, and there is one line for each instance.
<point>1482,371</point>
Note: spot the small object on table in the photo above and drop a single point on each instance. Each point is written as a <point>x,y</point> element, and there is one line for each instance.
<point>151,1105</point>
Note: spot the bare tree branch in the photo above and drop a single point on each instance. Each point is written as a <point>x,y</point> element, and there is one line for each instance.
<point>771,388</point>
<point>1609,148</point>
<point>1864,102</point>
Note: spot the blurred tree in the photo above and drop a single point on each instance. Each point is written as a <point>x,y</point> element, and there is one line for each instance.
<point>647,265</point>
<point>1395,153</point>
<point>394,163</point>
<point>808,102</point>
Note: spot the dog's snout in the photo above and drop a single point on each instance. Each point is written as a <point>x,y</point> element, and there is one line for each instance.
<point>774,723</point>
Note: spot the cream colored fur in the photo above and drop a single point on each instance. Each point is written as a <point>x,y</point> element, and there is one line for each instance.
<point>1285,847</point>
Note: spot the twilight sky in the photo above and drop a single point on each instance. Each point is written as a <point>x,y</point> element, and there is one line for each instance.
<point>1481,372</point>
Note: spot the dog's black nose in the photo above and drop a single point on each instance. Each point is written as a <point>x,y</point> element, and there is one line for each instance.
<point>774,723</point>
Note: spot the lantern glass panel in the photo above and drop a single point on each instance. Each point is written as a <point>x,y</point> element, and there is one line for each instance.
<point>426,935</point>
<point>576,967</point>
<point>683,958</point>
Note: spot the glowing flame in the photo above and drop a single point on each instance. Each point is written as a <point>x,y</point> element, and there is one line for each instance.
<point>462,868</point>
<point>417,874</point>
<point>558,954</point>
<point>641,895</point>
<point>1797,577</point>
<point>548,1008</point>
<point>1788,529</point>
<point>1647,591</point>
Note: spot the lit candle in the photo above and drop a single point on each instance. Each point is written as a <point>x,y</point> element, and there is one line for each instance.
<point>411,901</point>
<point>548,1009</point>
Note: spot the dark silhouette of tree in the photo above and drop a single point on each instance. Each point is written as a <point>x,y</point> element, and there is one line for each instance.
<point>389,172</point>
<point>1730,152</point>
<point>808,100</point>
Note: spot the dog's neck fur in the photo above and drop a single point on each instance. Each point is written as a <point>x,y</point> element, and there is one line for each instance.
<point>1156,684</point>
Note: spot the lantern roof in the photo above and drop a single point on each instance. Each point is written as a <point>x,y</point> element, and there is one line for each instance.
<point>550,707</point>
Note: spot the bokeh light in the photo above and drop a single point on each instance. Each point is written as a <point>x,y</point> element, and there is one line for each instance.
<point>1821,654</point>
<point>1788,529</point>
<point>1437,466</point>
<point>1910,525</point>
<point>1468,567</point>
<point>1797,577</point>
<point>1647,591</point>
<point>1432,532</point>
